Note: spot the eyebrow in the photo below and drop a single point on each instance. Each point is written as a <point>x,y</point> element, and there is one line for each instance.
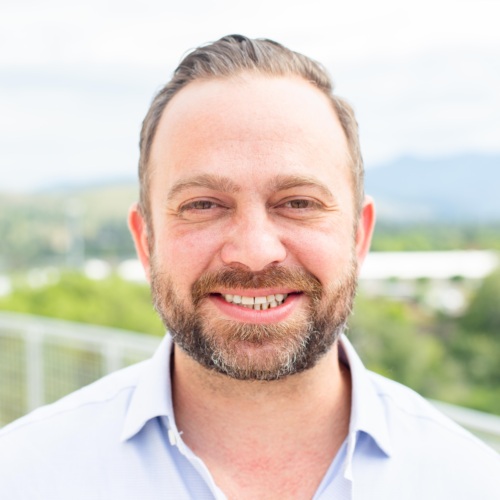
<point>210,181</point>
<point>225,185</point>
<point>284,182</point>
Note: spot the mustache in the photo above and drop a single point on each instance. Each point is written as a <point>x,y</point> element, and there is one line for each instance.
<point>295,278</point>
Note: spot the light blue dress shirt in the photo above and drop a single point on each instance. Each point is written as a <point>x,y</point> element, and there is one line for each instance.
<point>117,439</point>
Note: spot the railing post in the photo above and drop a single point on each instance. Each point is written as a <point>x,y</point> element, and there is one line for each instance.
<point>35,380</point>
<point>112,356</point>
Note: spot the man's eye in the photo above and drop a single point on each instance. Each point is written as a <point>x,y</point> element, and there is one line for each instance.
<point>199,205</point>
<point>300,204</point>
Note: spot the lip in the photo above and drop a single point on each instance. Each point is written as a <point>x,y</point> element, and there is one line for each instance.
<point>255,292</point>
<point>246,315</point>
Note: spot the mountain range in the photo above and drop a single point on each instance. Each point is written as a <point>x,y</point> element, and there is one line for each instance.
<point>464,188</point>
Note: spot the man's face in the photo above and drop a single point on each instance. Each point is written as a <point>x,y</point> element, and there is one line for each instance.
<point>253,261</point>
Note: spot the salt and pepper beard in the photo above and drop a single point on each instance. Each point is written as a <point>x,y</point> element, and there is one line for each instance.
<point>249,351</point>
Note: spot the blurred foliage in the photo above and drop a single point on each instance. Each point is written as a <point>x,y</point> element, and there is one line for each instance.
<point>483,313</point>
<point>48,228</point>
<point>451,359</point>
<point>109,302</point>
<point>394,237</point>
<point>396,340</point>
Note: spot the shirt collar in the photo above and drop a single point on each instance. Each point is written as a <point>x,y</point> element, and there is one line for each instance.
<point>153,396</point>
<point>368,412</point>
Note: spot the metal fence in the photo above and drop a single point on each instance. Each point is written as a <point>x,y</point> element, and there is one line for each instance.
<point>43,359</point>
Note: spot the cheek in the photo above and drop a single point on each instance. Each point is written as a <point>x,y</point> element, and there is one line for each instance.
<point>185,254</point>
<point>327,255</point>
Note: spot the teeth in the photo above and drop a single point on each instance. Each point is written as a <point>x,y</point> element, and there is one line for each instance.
<point>257,303</point>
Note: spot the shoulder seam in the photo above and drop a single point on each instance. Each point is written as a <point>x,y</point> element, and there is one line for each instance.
<point>6,430</point>
<point>455,429</point>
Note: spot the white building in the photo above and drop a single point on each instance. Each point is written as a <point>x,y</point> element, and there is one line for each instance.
<point>443,280</point>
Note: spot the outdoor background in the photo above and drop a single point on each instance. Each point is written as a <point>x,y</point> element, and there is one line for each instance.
<point>77,78</point>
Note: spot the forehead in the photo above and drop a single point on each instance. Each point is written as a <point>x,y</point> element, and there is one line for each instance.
<point>249,123</point>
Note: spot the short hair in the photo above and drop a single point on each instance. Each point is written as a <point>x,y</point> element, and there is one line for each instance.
<point>231,56</point>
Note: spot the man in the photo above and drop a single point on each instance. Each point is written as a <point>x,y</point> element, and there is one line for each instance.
<point>251,227</point>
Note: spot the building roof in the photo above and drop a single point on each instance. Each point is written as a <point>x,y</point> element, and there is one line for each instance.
<point>475,264</point>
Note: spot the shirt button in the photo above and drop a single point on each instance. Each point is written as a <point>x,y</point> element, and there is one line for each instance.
<point>171,437</point>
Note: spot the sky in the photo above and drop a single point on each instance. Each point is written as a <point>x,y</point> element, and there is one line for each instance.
<point>76,78</point>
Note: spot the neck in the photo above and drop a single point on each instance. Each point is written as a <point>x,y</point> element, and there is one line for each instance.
<point>303,414</point>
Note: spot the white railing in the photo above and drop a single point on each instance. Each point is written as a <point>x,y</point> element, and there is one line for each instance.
<point>484,425</point>
<point>43,359</point>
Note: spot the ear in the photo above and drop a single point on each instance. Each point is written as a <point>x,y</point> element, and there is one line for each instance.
<point>138,228</point>
<point>366,224</point>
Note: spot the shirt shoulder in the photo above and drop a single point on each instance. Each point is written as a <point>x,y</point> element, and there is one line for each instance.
<point>51,444</point>
<point>103,393</point>
<point>439,450</point>
<point>406,405</point>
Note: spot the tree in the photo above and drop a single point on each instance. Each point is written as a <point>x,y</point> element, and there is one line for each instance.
<point>483,314</point>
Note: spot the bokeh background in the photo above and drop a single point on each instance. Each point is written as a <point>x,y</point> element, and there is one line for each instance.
<point>76,79</point>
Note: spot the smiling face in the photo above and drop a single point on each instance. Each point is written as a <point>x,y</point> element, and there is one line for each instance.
<point>256,244</point>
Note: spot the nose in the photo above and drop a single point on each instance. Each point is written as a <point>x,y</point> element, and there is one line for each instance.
<point>253,241</point>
